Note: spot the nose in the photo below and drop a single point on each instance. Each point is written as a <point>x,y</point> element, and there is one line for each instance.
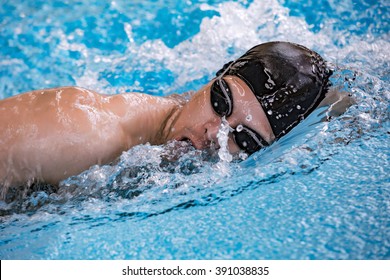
<point>211,131</point>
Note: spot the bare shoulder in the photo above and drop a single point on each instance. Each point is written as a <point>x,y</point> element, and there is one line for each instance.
<point>47,105</point>
<point>69,91</point>
<point>49,93</point>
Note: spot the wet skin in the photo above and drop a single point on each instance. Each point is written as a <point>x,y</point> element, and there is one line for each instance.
<point>51,134</point>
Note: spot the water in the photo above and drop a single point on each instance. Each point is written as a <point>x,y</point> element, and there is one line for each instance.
<point>321,192</point>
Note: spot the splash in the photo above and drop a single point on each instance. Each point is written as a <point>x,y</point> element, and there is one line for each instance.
<point>223,138</point>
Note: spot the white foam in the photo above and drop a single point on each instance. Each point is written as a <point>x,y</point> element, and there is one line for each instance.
<point>223,138</point>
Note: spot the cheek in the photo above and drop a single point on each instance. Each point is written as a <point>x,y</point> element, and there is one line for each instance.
<point>193,111</point>
<point>199,105</point>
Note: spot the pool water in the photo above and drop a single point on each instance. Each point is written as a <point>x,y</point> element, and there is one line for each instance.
<point>321,192</point>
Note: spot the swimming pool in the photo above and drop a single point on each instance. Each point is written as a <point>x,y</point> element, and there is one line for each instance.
<point>322,192</point>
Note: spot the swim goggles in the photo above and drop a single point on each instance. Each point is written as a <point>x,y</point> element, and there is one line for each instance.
<point>222,102</point>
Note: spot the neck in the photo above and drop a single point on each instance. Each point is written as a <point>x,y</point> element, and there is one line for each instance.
<point>148,119</point>
<point>168,123</point>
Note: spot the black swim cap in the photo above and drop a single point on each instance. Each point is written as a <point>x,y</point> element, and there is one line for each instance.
<point>287,79</point>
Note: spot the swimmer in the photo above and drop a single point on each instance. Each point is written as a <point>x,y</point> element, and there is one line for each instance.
<point>51,134</point>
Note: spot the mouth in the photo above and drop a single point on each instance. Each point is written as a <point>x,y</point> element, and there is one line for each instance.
<point>194,143</point>
<point>210,145</point>
<point>209,149</point>
<point>188,141</point>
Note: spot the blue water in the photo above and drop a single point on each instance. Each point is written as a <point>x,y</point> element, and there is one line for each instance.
<point>322,192</point>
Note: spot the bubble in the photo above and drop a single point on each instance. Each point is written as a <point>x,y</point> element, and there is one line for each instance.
<point>239,128</point>
<point>249,118</point>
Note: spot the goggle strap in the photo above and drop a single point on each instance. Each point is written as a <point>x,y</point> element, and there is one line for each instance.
<point>227,96</point>
<point>258,139</point>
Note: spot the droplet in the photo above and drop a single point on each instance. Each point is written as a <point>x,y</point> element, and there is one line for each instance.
<point>243,155</point>
<point>249,118</point>
<point>269,112</point>
<point>244,144</point>
<point>215,104</point>
<point>298,107</point>
<point>239,128</point>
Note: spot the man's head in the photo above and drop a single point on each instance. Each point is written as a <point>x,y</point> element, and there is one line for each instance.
<point>287,79</point>
<point>262,95</point>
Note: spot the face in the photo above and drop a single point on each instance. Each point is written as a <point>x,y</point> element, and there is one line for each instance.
<point>200,123</point>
